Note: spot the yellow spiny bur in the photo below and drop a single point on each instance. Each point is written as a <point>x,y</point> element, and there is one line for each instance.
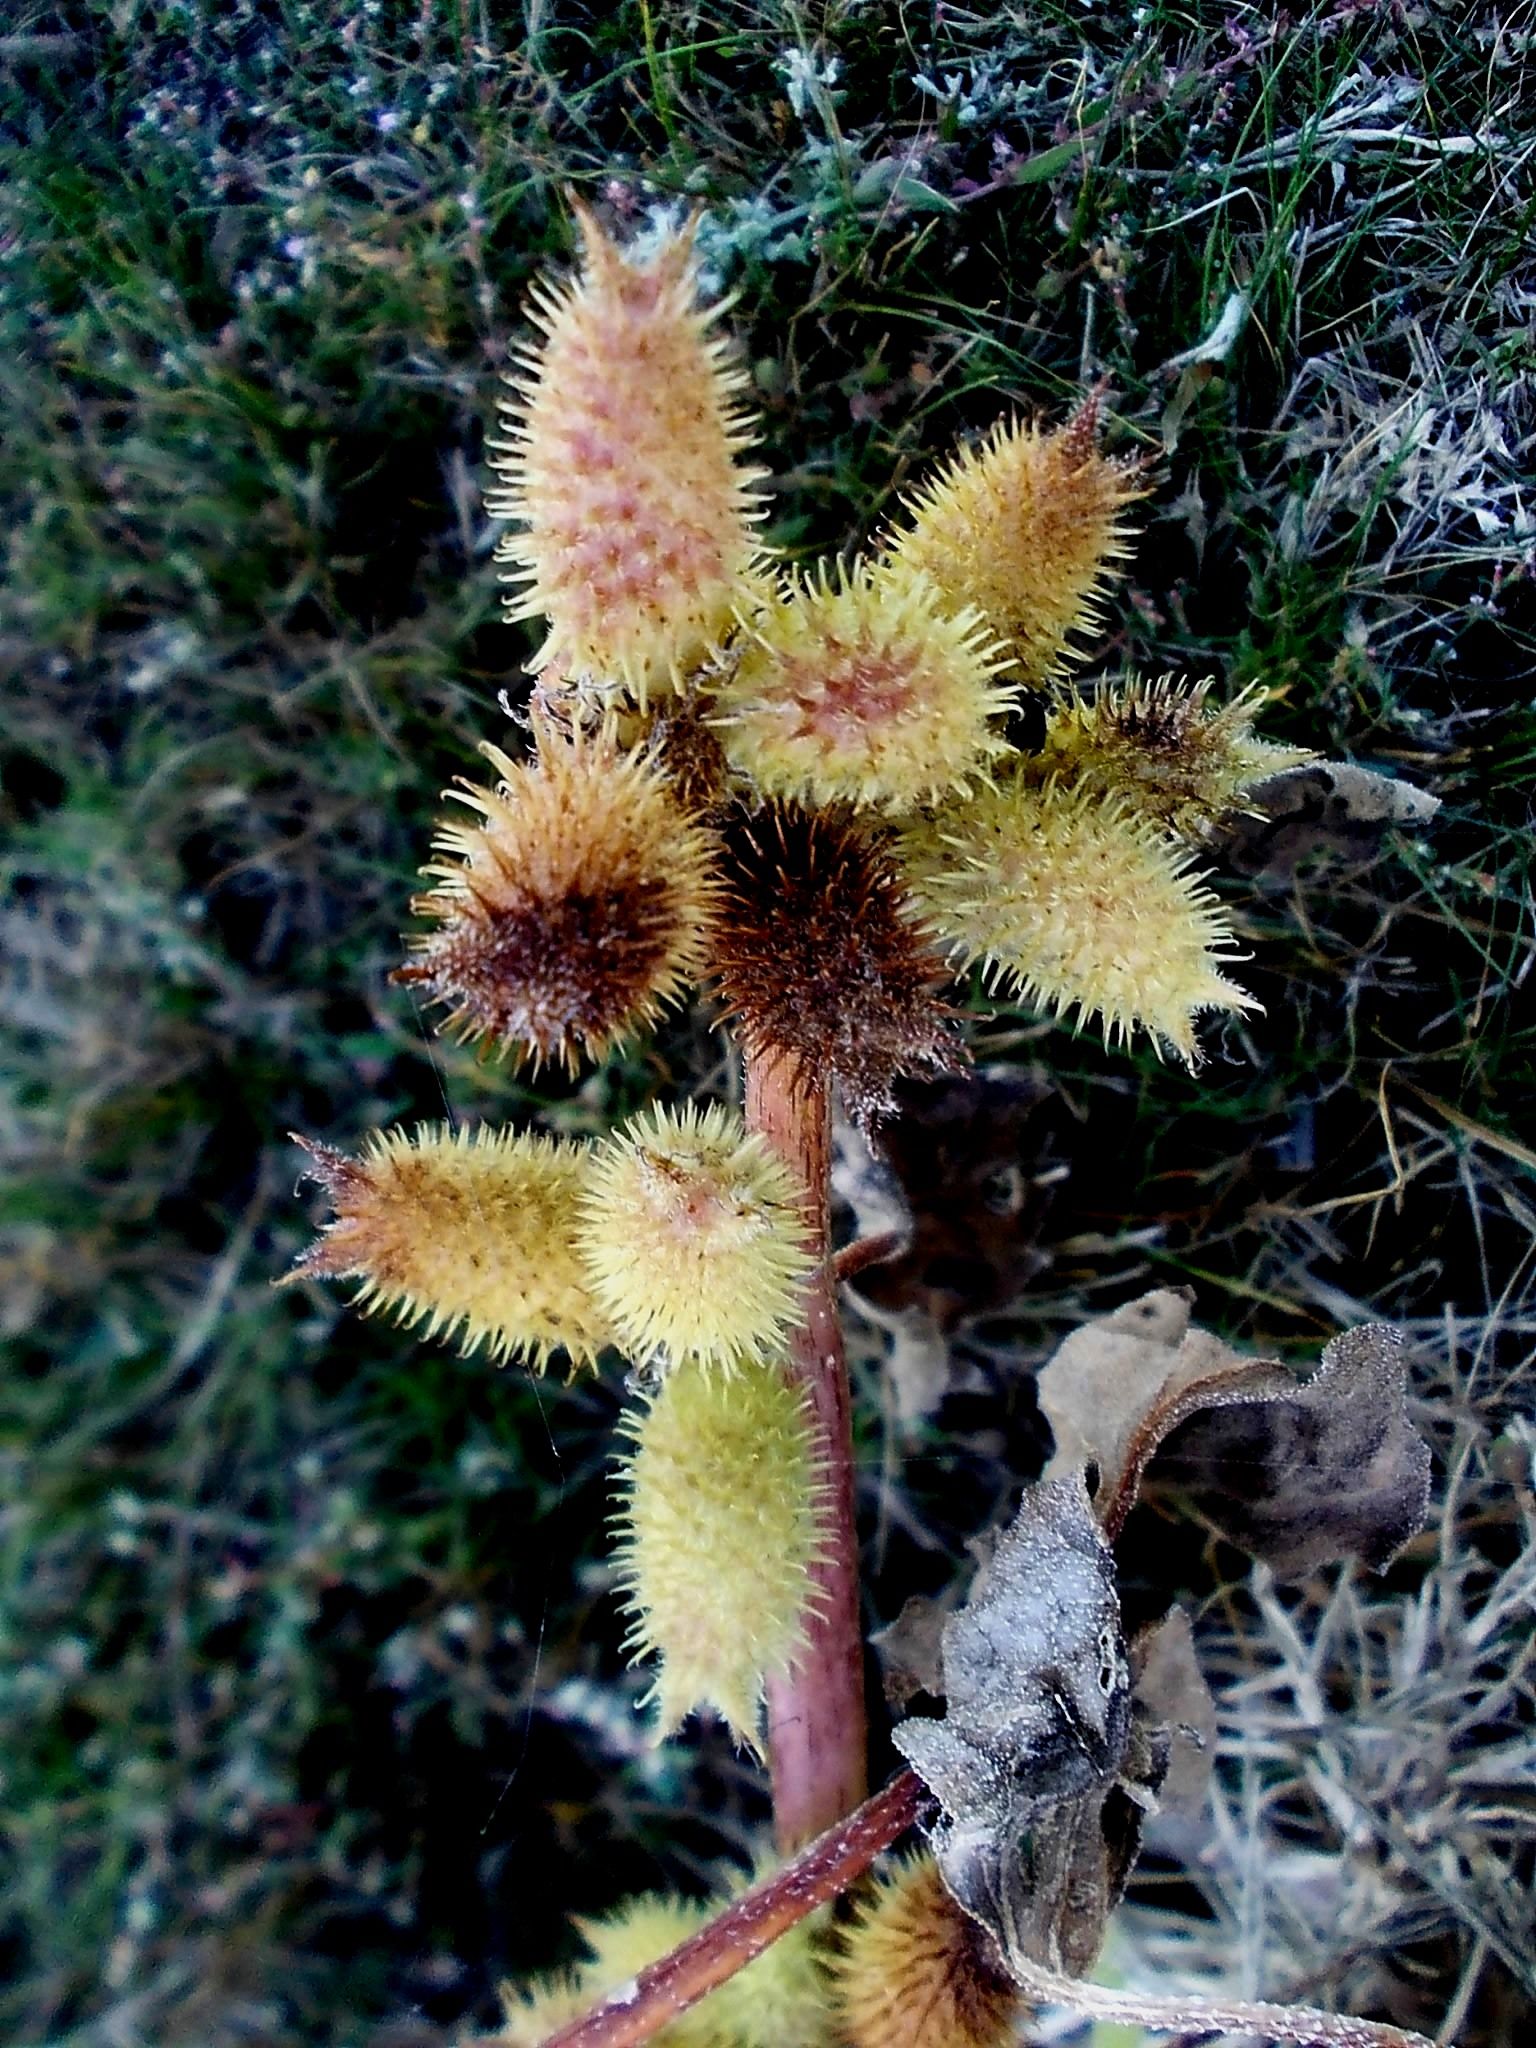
<point>1079,903</point>
<point>634,514</point>
<point>718,1532</point>
<point>864,688</point>
<point>779,2001</point>
<point>533,2013</point>
<point>917,1972</point>
<point>469,1231</point>
<point>693,1239</point>
<point>574,906</point>
<point>1164,748</point>
<point>1027,527</point>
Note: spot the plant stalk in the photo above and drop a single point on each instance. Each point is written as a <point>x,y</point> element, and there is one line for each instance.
<point>822,1870</point>
<point>817,1729</point>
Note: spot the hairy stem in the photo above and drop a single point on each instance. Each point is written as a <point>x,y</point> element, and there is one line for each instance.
<point>816,1721</point>
<point>1303,2026</point>
<point>751,1923</point>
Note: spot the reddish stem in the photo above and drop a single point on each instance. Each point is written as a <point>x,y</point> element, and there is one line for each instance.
<point>865,1252</point>
<point>817,1729</point>
<point>751,1923</point>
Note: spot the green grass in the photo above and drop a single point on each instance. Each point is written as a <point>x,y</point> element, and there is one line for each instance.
<point>313,1720</point>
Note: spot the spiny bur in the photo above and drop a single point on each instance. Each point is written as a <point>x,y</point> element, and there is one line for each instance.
<point>1078,902</point>
<point>1163,746</point>
<point>821,956</point>
<point>688,752</point>
<point>718,1532</point>
<point>469,1232</point>
<point>572,908</point>
<point>916,1971</point>
<point>692,1236</point>
<point>534,2013</point>
<point>862,687</point>
<point>621,463</point>
<point>778,2001</point>
<point>1028,528</point>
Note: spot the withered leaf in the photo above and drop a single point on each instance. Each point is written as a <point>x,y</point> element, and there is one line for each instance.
<point>1321,807</point>
<point>910,1651</point>
<point>1034,1764</point>
<point>1298,1473</point>
<point>1171,1692</point>
<point>983,1139</point>
<point>1034,1667</point>
<point>1115,1387</point>
<point>1333,1469</point>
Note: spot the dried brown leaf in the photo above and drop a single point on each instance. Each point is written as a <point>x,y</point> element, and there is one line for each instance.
<point>1333,1469</point>
<point>1116,1387</point>
<point>1037,1768</point>
<point>1322,807</point>
<point>910,1651</point>
<point>1171,1692</point>
<point>1298,1473</point>
<point>972,1151</point>
<point>1123,1381</point>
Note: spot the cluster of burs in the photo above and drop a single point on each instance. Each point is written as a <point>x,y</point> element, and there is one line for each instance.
<point>799,791</point>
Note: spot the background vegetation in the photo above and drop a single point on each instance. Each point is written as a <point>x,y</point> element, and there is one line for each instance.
<point>313,1722</point>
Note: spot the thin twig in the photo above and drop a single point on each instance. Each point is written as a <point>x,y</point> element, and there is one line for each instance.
<point>751,1923</point>
<point>1302,2026</point>
<point>865,1252</point>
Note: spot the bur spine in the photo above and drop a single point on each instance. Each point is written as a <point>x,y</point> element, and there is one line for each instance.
<point>718,1531</point>
<point>469,1232</point>
<point>622,472</point>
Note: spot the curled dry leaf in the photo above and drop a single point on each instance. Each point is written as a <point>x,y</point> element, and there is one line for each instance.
<point>1321,807</point>
<point>1038,1765</point>
<point>1171,1692</point>
<point>1334,1469</point>
<point>1116,1386</point>
<point>1298,1473</point>
<point>910,1650</point>
<point>1053,1752</point>
<point>1169,1684</point>
<point>926,1269</point>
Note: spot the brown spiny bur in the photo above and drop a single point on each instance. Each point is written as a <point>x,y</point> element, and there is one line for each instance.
<point>820,955</point>
<point>917,1972</point>
<point>1161,744</point>
<point>574,905</point>
<point>689,754</point>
